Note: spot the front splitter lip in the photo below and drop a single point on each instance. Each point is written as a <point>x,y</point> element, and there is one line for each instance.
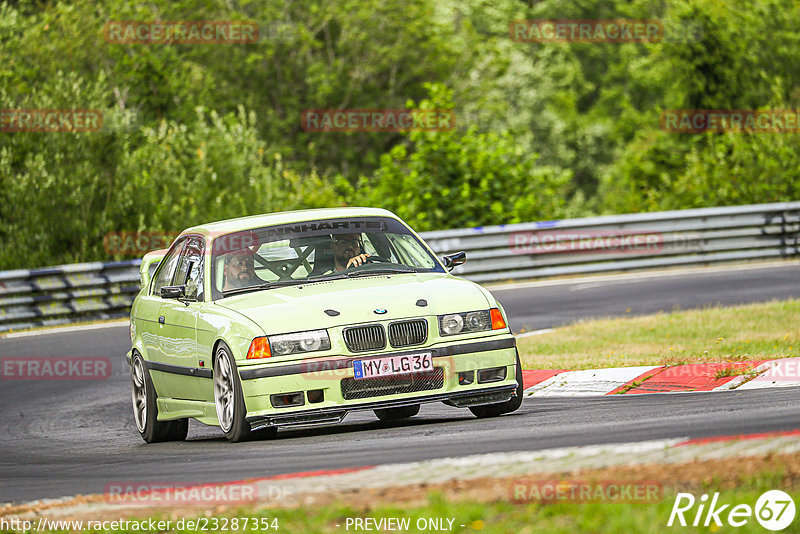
<point>337,414</point>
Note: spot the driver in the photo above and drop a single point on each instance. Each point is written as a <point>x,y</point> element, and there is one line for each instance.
<point>347,251</point>
<point>239,270</point>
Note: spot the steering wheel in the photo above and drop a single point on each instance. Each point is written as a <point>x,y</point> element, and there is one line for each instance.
<point>370,259</point>
<point>377,259</point>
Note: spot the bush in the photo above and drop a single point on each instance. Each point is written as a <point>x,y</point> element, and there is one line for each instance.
<point>450,179</point>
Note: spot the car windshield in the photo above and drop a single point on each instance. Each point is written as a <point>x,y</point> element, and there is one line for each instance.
<point>286,254</point>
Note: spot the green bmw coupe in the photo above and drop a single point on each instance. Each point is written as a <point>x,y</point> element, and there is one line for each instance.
<point>298,318</point>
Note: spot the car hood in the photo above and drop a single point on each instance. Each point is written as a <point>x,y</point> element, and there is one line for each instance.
<point>297,308</point>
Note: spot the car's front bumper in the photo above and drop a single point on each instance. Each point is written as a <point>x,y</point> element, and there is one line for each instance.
<point>337,414</point>
<point>334,377</point>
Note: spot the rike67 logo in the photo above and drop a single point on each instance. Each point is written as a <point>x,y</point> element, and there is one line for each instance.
<point>774,510</point>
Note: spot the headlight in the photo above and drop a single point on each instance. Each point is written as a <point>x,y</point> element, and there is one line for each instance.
<point>451,324</point>
<point>475,321</point>
<point>479,320</point>
<point>310,341</point>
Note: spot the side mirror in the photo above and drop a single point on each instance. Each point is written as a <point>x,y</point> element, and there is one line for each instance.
<point>149,264</point>
<point>173,292</point>
<point>146,274</point>
<point>454,260</point>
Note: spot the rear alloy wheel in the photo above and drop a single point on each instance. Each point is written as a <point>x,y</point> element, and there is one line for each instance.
<point>393,414</point>
<point>493,410</point>
<point>145,408</point>
<point>229,399</point>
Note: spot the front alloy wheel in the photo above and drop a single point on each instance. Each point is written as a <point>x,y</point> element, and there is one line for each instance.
<point>229,399</point>
<point>223,391</point>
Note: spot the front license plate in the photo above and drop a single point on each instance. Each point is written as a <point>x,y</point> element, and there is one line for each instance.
<point>393,365</point>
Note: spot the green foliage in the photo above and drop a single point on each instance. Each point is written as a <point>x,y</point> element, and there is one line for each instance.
<point>739,59</point>
<point>54,187</point>
<point>216,166</point>
<point>665,172</point>
<point>193,133</point>
<point>446,179</point>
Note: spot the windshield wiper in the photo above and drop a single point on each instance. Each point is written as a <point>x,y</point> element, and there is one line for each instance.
<point>268,285</point>
<point>325,277</point>
<point>384,270</point>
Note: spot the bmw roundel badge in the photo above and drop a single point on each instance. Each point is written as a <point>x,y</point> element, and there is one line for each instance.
<point>380,311</point>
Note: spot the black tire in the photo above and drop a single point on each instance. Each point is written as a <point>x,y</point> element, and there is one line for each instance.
<point>234,425</point>
<point>144,397</point>
<point>393,414</point>
<point>493,410</point>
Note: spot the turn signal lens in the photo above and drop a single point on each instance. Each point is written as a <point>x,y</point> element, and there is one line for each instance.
<point>497,319</point>
<point>259,348</point>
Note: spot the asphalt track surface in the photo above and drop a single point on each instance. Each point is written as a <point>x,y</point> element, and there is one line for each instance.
<point>534,307</point>
<point>60,438</point>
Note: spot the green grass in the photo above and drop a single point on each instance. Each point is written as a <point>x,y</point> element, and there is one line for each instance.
<point>505,517</point>
<point>721,334</point>
<point>508,517</point>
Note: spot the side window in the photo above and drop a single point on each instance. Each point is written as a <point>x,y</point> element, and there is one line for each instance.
<point>190,269</point>
<point>379,245</point>
<point>412,252</point>
<point>369,247</point>
<point>167,269</point>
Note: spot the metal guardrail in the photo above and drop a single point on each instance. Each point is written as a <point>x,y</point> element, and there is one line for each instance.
<point>86,291</point>
<point>624,242</point>
<point>67,293</point>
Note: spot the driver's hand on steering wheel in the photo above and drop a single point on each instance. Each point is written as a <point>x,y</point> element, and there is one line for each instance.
<point>355,261</point>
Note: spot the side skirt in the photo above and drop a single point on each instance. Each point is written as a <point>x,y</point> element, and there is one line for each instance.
<point>169,409</point>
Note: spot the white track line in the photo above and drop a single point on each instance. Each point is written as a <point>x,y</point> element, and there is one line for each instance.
<point>633,276</point>
<point>534,333</point>
<point>65,329</point>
